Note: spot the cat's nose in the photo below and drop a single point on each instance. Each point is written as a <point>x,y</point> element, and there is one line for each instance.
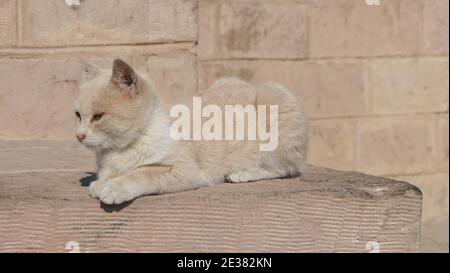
<point>80,137</point>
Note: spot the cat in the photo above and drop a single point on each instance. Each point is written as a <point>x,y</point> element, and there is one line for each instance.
<point>121,117</point>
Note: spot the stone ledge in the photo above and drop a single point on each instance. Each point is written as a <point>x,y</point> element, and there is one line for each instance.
<point>322,211</point>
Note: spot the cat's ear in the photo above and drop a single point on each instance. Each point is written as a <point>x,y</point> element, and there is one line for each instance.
<point>90,70</point>
<point>125,78</point>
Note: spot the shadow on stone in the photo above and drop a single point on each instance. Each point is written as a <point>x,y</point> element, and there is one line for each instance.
<point>115,208</point>
<point>87,180</point>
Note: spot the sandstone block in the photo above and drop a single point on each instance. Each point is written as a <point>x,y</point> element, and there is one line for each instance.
<point>410,85</point>
<point>435,191</point>
<point>436,26</point>
<point>41,105</point>
<point>352,28</point>
<point>252,30</point>
<point>403,145</point>
<point>332,143</point>
<point>100,22</point>
<point>326,88</point>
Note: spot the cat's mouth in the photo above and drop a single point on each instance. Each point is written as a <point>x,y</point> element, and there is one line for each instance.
<point>91,143</point>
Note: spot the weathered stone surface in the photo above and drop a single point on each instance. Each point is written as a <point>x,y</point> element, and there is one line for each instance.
<point>8,26</point>
<point>53,23</point>
<point>436,26</point>
<point>207,24</point>
<point>352,28</point>
<point>322,211</point>
<point>326,88</point>
<point>175,75</point>
<point>410,85</point>
<point>39,106</point>
<point>434,237</point>
<point>252,30</point>
<point>332,143</point>
<point>434,231</point>
<point>396,145</point>
<point>44,156</point>
<point>434,189</point>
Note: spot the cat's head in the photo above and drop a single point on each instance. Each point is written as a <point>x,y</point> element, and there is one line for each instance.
<point>112,106</point>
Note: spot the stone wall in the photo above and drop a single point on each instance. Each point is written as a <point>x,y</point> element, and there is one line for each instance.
<point>374,79</point>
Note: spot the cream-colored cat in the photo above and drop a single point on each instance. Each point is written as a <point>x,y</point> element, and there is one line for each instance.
<point>121,117</point>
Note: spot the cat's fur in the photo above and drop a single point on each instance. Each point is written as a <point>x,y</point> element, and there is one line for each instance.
<point>136,155</point>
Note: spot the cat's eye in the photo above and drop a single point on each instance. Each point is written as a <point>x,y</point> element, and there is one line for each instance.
<point>78,115</point>
<point>97,117</point>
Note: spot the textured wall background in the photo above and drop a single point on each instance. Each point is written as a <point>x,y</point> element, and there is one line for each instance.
<point>374,79</point>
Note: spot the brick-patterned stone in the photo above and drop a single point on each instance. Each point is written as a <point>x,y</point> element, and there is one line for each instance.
<point>44,156</point>
<point>39,106</point>
<point>410,85</point>
<point>174,74</point>
<point>352,28</point>
<point>402,145</point>
<point>252,30</point>
<point>53,23</point>
<point>331,143</point>
<point>8,33</point>
<point>326,88</point>
<point>207,23</point>
<point>436,26</point>
<point>435,191</point>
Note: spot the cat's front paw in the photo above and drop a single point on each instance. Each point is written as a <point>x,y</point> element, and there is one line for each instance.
<point>95,188</point>
<point>116,191</point>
